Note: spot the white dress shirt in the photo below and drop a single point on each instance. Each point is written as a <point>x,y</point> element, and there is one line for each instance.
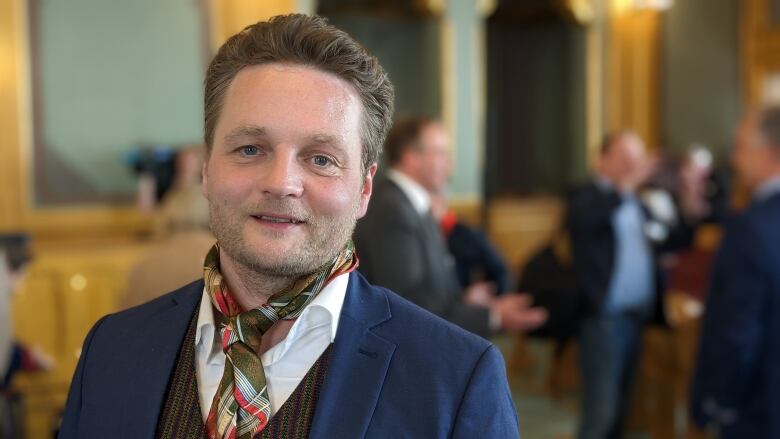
<point>286,363</point>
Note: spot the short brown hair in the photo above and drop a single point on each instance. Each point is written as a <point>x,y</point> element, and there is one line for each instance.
<point>310,41</point>
<point>404,136</point>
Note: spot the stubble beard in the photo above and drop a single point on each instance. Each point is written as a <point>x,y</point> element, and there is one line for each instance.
<point>326,238</point>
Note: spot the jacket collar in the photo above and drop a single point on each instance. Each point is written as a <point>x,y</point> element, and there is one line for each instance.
<point>358,365</point>
<point>159,337</point>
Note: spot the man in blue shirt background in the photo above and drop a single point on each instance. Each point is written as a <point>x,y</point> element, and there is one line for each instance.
<point>615,265</point>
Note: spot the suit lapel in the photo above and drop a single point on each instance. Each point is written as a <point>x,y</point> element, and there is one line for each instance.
<point>358,365</point>
<point>160,340</point>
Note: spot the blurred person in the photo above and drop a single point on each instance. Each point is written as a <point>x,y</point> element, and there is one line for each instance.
<point>14,356</point>
<point>154,166</point>
<point>182,237</point>
<point>701,191</point>
<point>184,199</point>
<point>283,338</point>
<point>616,268</point>
<point>476,259</point>
<point>736,384</point>
<point>657,193</point>
<point>402,248</point>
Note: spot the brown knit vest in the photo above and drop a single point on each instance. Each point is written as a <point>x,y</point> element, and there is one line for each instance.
<point>181,415</point>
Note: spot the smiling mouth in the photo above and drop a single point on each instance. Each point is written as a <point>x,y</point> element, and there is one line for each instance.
<point>276,219</point>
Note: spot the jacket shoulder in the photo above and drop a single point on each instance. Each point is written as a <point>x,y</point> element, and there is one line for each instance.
<point>417,328</point>
<point>388,207</point>
<point>189,294</point>
<point>388,196</point>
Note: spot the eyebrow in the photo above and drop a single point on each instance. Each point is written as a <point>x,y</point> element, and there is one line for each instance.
<point>325,138</point>
<point>253,131</point>
<point>334,142</point>
<point>243,132</point>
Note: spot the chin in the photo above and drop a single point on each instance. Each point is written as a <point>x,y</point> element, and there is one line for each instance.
<point>265,248</point>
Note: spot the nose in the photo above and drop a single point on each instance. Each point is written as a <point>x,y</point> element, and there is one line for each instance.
<point>282,177</point>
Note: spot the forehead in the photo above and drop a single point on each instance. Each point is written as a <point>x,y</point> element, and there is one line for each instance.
<point>434,134</point>
<point>285,98</point>
<point>627,144</point>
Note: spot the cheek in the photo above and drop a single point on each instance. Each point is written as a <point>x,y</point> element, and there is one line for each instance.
<point>338,200</point>
<point>330,200</point>
<point>226,187</point>
<point>743,159</point>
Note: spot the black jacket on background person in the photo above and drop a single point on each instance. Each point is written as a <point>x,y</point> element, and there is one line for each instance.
<point>404,251</point>
<point>474,253</point>
<point>588,219</point>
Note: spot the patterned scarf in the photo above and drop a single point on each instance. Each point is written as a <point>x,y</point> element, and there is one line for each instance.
<point>241,407</point>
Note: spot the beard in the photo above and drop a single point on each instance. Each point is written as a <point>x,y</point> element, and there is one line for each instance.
<point>323,238</point>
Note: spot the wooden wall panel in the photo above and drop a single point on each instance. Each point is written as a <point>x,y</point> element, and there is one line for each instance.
<point>67,289</point>
<point>633,72</point>
<point>11,97</point>
<point>228,17</point>
<point>760,50</point>
<point>520,226</point>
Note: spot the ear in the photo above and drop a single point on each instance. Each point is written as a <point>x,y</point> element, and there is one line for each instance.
<point>366,189</point>
<point>204,178</point>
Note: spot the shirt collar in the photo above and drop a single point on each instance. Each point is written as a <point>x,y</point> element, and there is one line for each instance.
<point>330,299</point>
<point>416,194</point>
<point>767,189</point>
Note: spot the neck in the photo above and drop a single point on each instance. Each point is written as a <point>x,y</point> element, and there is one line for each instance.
<point>248,287</point>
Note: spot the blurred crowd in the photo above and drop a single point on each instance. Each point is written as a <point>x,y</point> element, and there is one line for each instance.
<point>628,236</point>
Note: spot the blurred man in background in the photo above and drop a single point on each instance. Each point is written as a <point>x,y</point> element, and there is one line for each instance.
<point>182,234</point>
<point>736,389</point>
<point>402,248</point>
<point>616,268</point>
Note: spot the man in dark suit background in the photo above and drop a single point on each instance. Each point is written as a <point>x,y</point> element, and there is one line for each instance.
<point>402,248</point>
<point>617,272</point>
<point>736,388</point>
<point>282,338</point>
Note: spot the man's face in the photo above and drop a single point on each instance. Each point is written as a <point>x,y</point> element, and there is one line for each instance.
<point>284,179</point>
<point>432,158</point>
<point>749,157</point>
<point>624,159</point>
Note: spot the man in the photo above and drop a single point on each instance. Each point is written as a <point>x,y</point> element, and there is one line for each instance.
<point>182,232</point>
<point>617,273</point>
<point>402,247</point>
<point>736,385</point>
<point>283,338</point>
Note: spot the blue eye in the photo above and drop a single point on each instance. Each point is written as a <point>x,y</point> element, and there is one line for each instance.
<point>321,160</point>
<point>249,150</point>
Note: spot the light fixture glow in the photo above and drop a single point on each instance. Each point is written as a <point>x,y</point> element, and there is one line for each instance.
<point>658,5</point>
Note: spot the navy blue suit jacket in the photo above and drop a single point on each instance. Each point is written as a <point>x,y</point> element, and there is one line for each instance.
<point>395,371</point>
<point>737,379</point>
